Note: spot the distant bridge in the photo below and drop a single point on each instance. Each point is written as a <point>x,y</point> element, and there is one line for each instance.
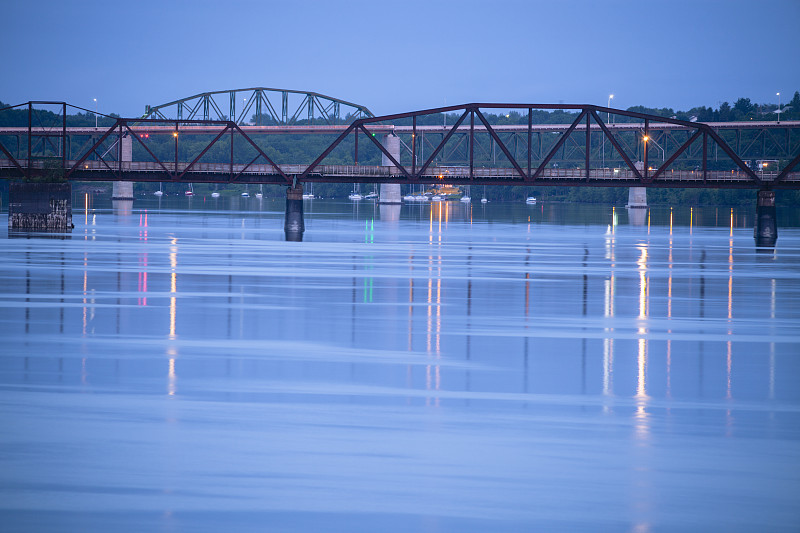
<point>263,104</point>
<point>634,149</point>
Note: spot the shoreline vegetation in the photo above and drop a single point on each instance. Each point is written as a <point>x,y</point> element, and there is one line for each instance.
<point>296,148</point>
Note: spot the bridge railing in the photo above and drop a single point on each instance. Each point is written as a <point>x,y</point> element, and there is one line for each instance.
<point>153,171</point>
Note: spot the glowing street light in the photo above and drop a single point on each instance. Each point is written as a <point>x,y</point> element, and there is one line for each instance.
<point>95,113</point>
<point>608,119</point>
<point>779,106</point>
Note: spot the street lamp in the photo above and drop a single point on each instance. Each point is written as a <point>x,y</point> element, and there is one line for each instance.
<point>779,107</point>
<point>645,138</point>
<point>95,113</point>
<point>608,119</point>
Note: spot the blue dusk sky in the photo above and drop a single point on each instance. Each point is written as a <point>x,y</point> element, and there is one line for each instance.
<point>403,55</point>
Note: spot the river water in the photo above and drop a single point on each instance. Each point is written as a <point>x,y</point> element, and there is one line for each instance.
<point>178,366</point>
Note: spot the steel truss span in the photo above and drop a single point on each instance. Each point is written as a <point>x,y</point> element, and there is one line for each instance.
<point>626,149</point>
<point>260,106</point>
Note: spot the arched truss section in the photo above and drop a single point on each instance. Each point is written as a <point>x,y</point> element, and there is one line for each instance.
<point>261,106</point>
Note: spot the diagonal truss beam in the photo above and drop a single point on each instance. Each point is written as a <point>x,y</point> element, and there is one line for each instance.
<point>788,169</point>
<point>328,150</point>
<point>557,146</point>
<point>615,144</point>
<point>500,143</point>
<point>156,159</point>
<point>675,156</point>
<point>93,149</point>
<point>204,151</point>
<point>235,126</point>
<point>727,149</point>
<point>394,161</point>
<point>441,144</point>
<point>13,160</point>
<point>236,177</point>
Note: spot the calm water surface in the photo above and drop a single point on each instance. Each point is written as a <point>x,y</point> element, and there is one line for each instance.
<point>179,367</point>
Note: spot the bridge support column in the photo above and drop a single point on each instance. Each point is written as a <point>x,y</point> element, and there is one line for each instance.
<point>40,207</point>
<point>766,228</point>
<point>390,192</point>
<point>637,197</point>
<point>123,190</point>
<point>293,224</point>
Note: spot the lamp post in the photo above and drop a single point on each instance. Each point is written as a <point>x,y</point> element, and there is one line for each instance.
<point>779,107</point>
<point>643,159</point>
<point>95,113</point>
<point>608,119</point>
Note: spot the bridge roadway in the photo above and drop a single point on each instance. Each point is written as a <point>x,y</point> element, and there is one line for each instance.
<point>92,170</point>
<point>389,128</point>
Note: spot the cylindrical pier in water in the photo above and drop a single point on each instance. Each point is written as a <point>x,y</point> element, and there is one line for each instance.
<point>766,229</point>
<point>293,225</point>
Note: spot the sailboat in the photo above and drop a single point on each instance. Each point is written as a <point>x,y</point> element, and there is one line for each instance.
<point>190,192</point>
<point>466,198</point>
<point>260,193</point>
<point>355,195</point>
<point>310,194</point>
<point>371,196</point>
<point>159,192</point>
<point>484,200</point>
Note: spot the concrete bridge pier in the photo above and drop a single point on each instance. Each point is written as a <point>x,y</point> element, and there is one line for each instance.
<point>637,197</point>
<point>390,192</point>
<point>766,228</point>
<point>40,207</point>
<point>293,225</point>
<point>123,190</point>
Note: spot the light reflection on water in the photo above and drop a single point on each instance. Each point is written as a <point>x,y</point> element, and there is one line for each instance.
<point>438,367</point>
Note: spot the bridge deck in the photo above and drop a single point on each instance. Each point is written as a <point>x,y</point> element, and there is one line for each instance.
<point>265,173</point>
